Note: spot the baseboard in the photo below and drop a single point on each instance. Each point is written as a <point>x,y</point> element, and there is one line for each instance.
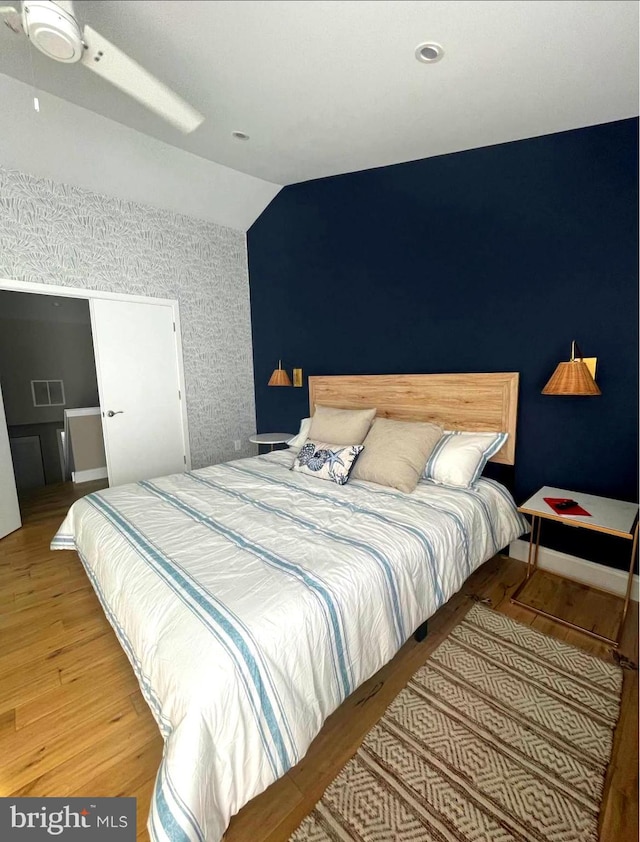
<point>579,569</point>
<point>87,476</point>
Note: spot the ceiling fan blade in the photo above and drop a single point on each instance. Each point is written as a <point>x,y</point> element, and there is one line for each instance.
<point>103,58</point>
<point>12,18</point>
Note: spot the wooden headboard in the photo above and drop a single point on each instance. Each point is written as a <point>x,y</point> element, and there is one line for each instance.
<point>482,402</point>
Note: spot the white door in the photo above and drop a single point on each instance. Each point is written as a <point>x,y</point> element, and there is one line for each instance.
<point>138,383</point>
<point>9,508</point>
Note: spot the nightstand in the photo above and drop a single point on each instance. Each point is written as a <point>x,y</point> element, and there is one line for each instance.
<point>271,438</point>
<point>613,517</point>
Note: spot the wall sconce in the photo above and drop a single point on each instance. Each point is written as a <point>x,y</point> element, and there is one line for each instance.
<point>281,378</point>
<point>575,377</point>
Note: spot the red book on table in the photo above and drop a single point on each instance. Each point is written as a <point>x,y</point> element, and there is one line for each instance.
<point>571,510</point>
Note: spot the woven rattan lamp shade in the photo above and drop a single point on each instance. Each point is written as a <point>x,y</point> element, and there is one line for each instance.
<point>279,377</point>
<point>572,378</point>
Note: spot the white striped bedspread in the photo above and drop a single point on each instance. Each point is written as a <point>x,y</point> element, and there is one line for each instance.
<point>251,600</point>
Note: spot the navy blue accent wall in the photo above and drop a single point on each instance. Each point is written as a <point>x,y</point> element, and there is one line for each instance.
<point>488,260</point>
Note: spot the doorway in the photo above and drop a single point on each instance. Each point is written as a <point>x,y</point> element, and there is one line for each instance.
<point>47,366</point>
<point>137,355</point>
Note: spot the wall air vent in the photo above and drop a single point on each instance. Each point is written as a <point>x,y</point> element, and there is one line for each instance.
<point>47,392</point>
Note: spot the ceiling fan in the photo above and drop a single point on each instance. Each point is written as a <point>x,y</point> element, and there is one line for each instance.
<point>52,28</point>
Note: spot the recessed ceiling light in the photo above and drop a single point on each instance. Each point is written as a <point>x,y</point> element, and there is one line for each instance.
<point>240,135</point>
<point>429,52</point>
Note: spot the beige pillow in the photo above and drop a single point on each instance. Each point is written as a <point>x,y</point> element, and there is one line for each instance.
<point>396,452</point>
<point>341,426</point>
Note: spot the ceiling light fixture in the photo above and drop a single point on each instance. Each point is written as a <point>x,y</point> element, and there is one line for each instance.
<point>429,52</point>
<point>240,135</point>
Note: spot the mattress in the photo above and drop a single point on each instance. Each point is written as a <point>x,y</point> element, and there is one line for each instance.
<point>252,600</point>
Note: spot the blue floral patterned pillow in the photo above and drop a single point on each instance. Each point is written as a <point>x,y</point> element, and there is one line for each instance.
<point>327,461</point>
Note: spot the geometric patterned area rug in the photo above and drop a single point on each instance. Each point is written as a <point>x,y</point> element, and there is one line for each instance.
<point>504,734</point>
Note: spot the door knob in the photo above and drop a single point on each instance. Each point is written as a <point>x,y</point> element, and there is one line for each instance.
<point>111,413</point>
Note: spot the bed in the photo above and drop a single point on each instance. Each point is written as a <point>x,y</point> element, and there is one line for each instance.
<point>252,600</point>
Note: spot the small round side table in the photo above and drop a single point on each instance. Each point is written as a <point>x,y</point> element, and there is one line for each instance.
<point>271,438</point>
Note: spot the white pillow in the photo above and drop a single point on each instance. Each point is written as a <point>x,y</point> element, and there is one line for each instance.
<point>459,458</point>
<point>303,434</point>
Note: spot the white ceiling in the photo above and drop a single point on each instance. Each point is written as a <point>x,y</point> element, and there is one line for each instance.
<point>331,86</point>
<point>71,145</point>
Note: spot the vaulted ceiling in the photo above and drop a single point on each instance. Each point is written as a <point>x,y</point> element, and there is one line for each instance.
<point>321,87</point>
<point>331,86</point>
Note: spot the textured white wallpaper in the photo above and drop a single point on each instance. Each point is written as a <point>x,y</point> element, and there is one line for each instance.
<point>56,234</point>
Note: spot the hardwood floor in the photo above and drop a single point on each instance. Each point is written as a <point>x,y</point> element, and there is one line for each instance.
<point>73,722</point>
